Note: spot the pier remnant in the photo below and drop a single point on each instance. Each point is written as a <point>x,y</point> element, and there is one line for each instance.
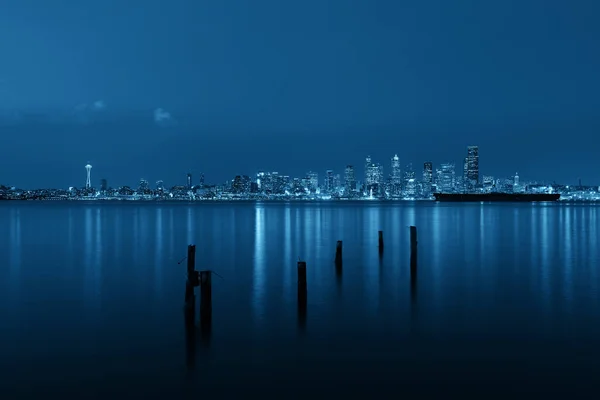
<point>302,294</point>
<point>413,251</point>
<point>192,276</point>
<point>338,254</point>
<point>380,241</point>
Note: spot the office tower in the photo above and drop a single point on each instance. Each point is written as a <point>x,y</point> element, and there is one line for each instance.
<point>427,178</point>
<point>396,176</point>
<point>349,180</point>
<point>446,178</point>
<point>465,175</point>
<point>472,167</point>
<point>488,183</point>
<point>367,171</point>
<point>143,186</point>
<point>88,181</point>
<point>517,188</point>
<point>313,179</point>
<point>259,180</point>
<point>337,183</point>
<point>237,185</point>
<point>103,185</point>
<point>328,184</point>
<point>410,184</point>
<point>189,180</point>
<point>160,186</point>
<point>201,180</point>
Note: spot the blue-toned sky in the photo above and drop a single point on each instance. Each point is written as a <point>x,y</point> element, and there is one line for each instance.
<point>294,86</point>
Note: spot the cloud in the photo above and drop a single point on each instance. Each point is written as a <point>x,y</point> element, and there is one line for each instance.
<point>163,117</point>
<point>99,105</point>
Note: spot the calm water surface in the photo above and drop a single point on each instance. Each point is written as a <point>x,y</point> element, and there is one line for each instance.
<point>506,300</point>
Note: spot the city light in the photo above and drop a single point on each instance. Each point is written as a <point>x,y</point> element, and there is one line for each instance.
<point>400,183</point>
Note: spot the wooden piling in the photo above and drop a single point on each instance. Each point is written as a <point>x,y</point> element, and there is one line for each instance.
<point>338,253</point>
<point>380,240</point>
<point>413,251</point>
<point>192,276</point>
<point>413,238</point>
<point>302,296</point>
<point>302,275</point>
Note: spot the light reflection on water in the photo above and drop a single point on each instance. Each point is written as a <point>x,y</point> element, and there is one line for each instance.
<point>526,274</point>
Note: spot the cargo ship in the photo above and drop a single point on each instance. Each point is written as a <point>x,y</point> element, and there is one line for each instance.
<point>508,197</point>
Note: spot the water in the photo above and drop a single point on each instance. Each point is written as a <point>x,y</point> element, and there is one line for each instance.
<point>506,299</point>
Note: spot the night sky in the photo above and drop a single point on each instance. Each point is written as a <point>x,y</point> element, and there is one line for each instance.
<point>153,89</point>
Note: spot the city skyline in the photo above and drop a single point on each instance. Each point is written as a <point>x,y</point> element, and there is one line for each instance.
<point>467,172</point>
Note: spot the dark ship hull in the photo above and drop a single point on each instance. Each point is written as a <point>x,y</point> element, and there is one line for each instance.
<point>508,197</point>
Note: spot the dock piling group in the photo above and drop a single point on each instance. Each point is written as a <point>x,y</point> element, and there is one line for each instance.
<point>203,279</point>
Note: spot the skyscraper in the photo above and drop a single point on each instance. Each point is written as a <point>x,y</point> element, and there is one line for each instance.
<point>143,186</point>
<point>328,184</point>
<point>396,176</point>
<point>472,167</point>
<point>410,185</point>
<point>313,179</point>
<point>189,180</point>
<point>446,178</point>
<point>427,178</point>
<point>465,175</point>
<point>368,177</point>
<point>349,180</point>
<point>103,185</point>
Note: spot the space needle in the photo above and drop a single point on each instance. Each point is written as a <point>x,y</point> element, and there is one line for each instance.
<point>88,181</point>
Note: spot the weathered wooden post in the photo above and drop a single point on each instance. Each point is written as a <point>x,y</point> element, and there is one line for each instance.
<point>192,276</point>
<point>413,251</point>
<point>205,302</point>
<point>380,241</point>
<point>338,254</point>
<point>302,293</point>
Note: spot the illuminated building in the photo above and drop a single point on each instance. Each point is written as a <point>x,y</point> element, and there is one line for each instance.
<point>472,167</point>
<point>313,179</point>
<point>259,181</point>
<point>143,186</point>
<point>488,183</point>
<point>465,176</point>
<point>189,180</point>
<point>368,177</point>
<point>396,176</point>
<point>517,185</point>
<point>328,184</point>
<point>160,186</point>
<point>427,178</point>
<point>337,182</point>
<point>410,184</point>
<point>349,180</point>
<point>103,185</point>
<point>446,178</point>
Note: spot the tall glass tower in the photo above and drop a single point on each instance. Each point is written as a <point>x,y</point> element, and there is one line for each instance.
<point>472,167</point>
